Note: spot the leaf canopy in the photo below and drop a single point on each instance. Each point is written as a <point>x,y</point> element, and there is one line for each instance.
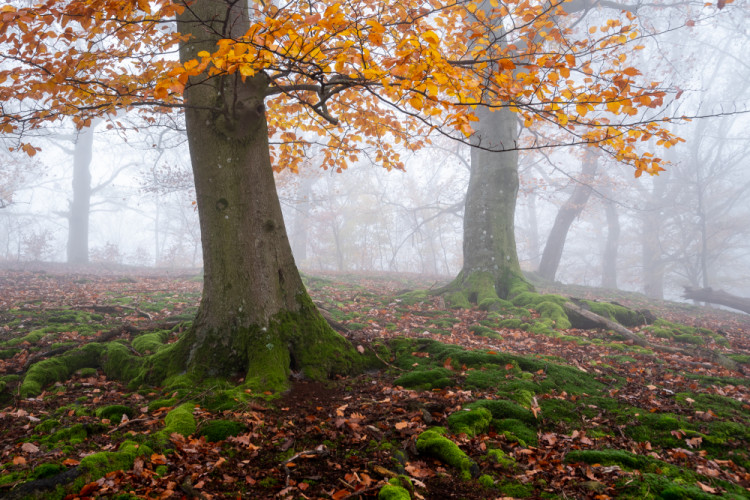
<point>358,77</point>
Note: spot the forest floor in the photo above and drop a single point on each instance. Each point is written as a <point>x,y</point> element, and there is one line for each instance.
<point>522,411</point>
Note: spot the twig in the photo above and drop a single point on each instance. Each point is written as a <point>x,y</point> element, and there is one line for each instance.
<point>126,423</point>
<point>321,450</point>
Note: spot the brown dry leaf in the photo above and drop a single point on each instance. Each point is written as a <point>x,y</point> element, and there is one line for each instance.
<point>401,425</point>
<point>158,459</point>
<point>340,494</point>
<point>29,447</point>
<point>706,488</point>
<point>19,460</point>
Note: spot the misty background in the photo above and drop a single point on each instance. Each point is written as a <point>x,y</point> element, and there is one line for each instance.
<point>115,196</point>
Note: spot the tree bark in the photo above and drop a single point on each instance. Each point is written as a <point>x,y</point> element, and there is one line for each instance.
<point>255,318</point>
<point>490,269</point>
<point>718,297</point>
<point>80,206</point>
<point>565,216</point>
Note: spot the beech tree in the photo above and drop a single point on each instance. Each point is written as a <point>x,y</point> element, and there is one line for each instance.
<point>360,77</point>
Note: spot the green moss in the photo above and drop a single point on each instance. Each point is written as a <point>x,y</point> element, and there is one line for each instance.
<point>511,323</point>
<point>413,297</point>
<point>502,409</point>
<point>515,489</point>
<point>499,457</point>
<point>483,331</point>
<point>149,343</point>
<point>555,312</point>
<point>393,492</point>
<point>99,464</point>
<point>180,420</point>
<point>356,326</point>
<point>689,339</point>
<point>46,470</point>
<point>76,434</point>
<point>471,423</point>
<point>457,300</point>
<point>615,312</point>
<point>609,457</point>
<point>426,379</point>
<point>493,304</point>
<point>59,368</point>
<point>161,403</point>
<point>115,412</point>
<point>87,372</point>
<point>523,397</point>
<point>516,431</point>
<point>47,425</point>
<point>8,353</point>
<point>432,443</point>
<point>31,337</point>
<point>267,351</point>
<point>219,430</point>
<point>486,481</point>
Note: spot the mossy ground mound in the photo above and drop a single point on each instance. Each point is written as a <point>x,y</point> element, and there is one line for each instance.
<point>507,413</point>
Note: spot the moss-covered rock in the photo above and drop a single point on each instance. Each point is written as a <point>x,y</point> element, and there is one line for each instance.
<point>433,443</point>
<point>502,409</point>
<point>114,413</point>
<point>471,422</point>
<point>219,430</point>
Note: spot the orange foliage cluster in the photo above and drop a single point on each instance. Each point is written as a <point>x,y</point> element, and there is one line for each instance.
<point>356,77</point>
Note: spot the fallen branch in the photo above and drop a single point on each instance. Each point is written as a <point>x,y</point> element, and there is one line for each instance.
<point>573,309</point>
<point>717,297</point>
<point>320,450</point>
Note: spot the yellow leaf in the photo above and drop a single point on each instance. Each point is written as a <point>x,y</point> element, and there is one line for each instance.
<point>582,109</point>
<point>431,38</point>
<point>613,107</point>
<point>247,70</point>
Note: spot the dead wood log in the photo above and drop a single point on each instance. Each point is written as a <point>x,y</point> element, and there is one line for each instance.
<point>575,312</point>
<point>717,297</point>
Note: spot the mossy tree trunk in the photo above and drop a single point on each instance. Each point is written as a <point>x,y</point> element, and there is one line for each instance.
<point>491,268</point>
<point>255,318</point>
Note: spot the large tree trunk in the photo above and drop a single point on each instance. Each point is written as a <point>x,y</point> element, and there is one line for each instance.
<point>80,207</point>
<point>565,216</point>
<point>255,318</point>
<point>491,268</point>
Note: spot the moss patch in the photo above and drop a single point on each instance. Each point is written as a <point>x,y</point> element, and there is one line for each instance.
<point>472,422</point>
<point>433,443</point>
<point>219,430</point>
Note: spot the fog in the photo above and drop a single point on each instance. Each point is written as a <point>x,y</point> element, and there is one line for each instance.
<point>688,226</point>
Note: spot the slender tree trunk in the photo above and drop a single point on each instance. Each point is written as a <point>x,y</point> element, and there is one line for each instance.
<point>568,212</point>
<point>80,207</point>
<point>302,217</point>
<point>255,318</point>
<point>609,259</point>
